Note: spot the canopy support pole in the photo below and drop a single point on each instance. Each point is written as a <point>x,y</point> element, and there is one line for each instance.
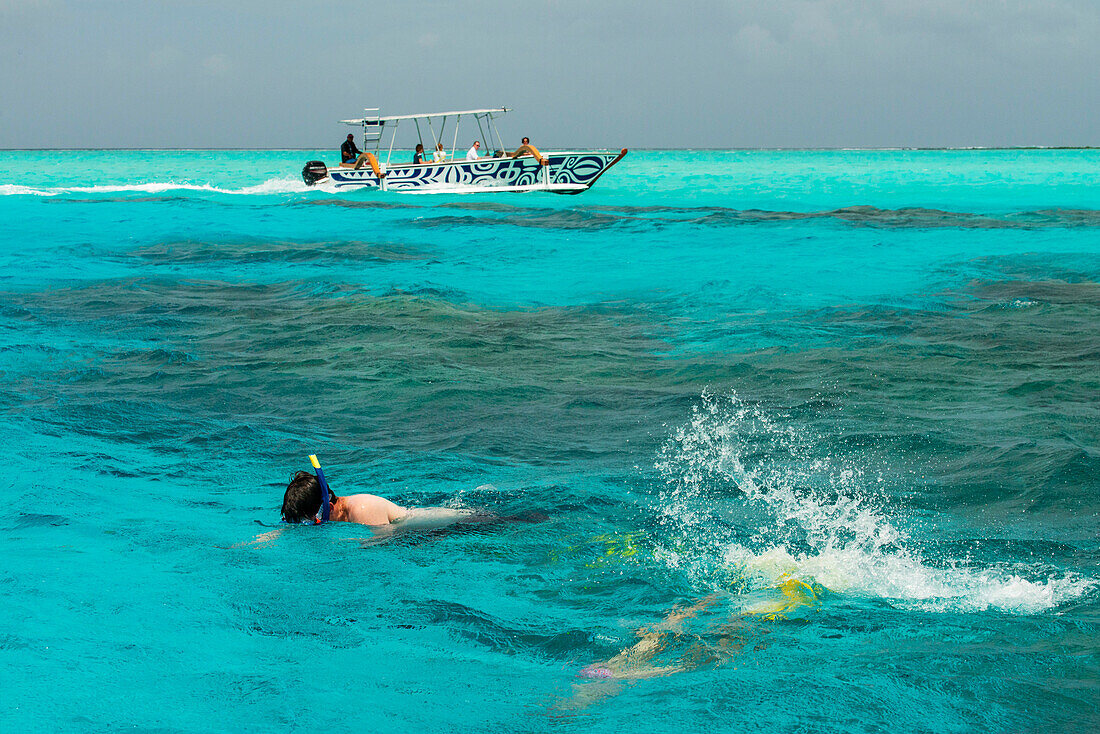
<point>488,142</point>
<point>493,126</point>
<point>435,141</point>
<point>392,138</point>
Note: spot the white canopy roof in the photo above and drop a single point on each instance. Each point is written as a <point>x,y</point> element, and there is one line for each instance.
<point>423,116</point>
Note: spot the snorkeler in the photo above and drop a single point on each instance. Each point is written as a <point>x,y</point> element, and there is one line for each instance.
<point>308,499</point>
<point>303,498</point>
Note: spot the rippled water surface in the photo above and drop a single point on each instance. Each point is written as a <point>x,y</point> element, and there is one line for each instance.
<point>788,441</point>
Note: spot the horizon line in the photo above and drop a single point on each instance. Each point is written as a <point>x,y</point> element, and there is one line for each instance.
<point>678,149</point>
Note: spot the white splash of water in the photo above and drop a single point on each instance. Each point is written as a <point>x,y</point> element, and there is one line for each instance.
<point>287,185</point>
<point>817,522</point>
<point>16,190</point>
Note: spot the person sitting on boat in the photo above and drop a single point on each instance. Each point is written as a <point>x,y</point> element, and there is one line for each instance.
<point>418,156</point>
<point>439,155</point>
<point>350,157</point>
<point>471,154</point>
<point>527,149</point>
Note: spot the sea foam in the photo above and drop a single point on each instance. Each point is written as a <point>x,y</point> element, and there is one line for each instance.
<point>819,521</point>
<point>284,185</point>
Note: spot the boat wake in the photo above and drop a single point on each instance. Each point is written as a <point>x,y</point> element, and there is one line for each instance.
<point>797,515</point>
<point>286,185</point>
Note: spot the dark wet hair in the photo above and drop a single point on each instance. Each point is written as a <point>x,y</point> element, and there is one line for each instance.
<point>303,498</point>
<point>526,140</point>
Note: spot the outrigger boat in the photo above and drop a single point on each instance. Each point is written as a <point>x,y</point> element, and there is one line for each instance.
<point>562,172</point>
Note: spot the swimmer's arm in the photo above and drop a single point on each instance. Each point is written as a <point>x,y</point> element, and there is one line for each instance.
<point>647,672</point>
<point>395,512</point>
<point>262,539</point>
<point>676,616</point>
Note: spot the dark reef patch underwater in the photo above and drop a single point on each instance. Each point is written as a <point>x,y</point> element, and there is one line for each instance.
<point>813,439</point>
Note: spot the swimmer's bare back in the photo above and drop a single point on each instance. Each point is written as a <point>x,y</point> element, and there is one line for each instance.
<point>367,509</point>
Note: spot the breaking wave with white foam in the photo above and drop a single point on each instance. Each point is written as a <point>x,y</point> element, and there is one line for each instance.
<point>814,519</point>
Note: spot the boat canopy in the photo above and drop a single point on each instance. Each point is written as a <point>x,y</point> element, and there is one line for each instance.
<point>395,118</point>
<point>374,124</point>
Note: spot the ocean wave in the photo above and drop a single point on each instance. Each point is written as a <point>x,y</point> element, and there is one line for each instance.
<point>813,519</point>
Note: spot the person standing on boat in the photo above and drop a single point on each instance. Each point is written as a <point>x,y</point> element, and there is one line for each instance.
<point>527,149</point>
<point>351,157</point>
<point>471,154</point>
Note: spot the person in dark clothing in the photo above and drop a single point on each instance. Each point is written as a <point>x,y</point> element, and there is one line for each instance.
<point>350,157</point>
<point>418,157</point>
<point>348,152</point>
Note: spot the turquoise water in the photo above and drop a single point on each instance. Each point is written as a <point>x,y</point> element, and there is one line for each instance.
<point>838,407</point>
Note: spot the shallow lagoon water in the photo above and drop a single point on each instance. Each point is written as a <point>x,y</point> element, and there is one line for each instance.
<point>872,372</point>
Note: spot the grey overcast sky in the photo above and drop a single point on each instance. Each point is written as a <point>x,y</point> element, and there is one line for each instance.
<point>606,73</point>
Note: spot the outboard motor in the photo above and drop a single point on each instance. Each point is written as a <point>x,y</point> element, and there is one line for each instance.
<point>313,172</point>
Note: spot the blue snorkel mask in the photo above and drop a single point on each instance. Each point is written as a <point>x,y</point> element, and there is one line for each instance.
<point>326,496</point>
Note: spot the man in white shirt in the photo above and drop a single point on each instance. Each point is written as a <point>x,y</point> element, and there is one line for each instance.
<point>471,154</point>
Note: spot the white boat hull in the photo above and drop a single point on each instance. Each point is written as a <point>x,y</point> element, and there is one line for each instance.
<point>567,173</point>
